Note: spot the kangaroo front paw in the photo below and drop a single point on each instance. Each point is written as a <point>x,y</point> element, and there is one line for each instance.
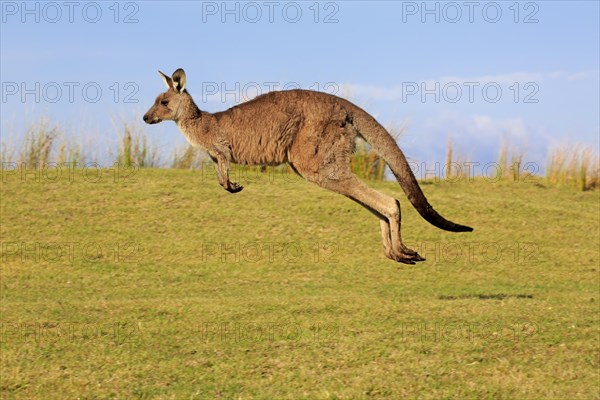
<point>234,187</point>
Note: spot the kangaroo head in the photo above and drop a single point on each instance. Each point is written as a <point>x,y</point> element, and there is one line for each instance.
<point>171,104</point>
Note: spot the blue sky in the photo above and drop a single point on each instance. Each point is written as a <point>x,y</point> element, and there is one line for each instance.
<point>525,72</point>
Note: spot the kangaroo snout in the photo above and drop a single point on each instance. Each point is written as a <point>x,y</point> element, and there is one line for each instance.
<point>151,120</point>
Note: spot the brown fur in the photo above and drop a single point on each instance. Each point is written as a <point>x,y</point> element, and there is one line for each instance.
<point>312,131</point>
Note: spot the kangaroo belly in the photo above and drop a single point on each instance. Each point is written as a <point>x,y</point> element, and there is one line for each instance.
<point>265,143</point>
<point>260,149</point>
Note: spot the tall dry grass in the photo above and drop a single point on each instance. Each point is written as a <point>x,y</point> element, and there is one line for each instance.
<point>38,143</point>
<point>573,166</point>
<point>510,162</point>
<point>134,149</point>
<point>188,157</point>
<point>455,165</point>
<point>449,159</point>
<point>43,143</point>
<point>366,164</point>
<point>508,167</point>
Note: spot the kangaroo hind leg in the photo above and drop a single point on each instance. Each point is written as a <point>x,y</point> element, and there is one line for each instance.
<point>385,207</point>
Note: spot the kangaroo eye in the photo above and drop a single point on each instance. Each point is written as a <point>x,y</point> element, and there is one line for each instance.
<point>164,102</point>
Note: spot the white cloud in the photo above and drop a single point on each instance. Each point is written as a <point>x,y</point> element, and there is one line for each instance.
<point>402,91</point>
<point>582,75</point>
<point>477,137</point>
<point>501,79</point>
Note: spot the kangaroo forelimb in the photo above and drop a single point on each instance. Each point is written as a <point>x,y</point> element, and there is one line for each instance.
<point>223,174</point>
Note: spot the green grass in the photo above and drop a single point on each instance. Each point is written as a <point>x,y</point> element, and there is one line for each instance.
<point>161,291</point>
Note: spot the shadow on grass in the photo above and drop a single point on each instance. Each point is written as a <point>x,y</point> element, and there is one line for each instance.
<point>499,296</point>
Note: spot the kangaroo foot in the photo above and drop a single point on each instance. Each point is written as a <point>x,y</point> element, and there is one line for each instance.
<point>233,187</point>
<point>410,252</point>
<point>406,256</point>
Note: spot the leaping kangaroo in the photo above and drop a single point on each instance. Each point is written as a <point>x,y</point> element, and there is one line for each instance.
<point>315,134</point>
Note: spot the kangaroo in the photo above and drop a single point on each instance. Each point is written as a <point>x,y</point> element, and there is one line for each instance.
<point>315,134</point>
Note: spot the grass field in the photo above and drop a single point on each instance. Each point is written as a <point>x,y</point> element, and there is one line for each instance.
<point>163,285</point>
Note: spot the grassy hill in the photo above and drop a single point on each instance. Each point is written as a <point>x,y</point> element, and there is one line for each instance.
<point>162,284</point>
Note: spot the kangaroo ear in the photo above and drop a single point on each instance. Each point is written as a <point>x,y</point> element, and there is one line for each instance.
<point>168,81</point>
<point>179,80</point>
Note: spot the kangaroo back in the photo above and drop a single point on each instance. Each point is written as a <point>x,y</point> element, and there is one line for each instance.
<point>385,145</point>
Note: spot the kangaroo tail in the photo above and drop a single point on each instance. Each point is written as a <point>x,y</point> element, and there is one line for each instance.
<point>385,145</point>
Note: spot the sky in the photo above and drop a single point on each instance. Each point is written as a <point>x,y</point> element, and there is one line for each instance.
<point>480,73</point>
